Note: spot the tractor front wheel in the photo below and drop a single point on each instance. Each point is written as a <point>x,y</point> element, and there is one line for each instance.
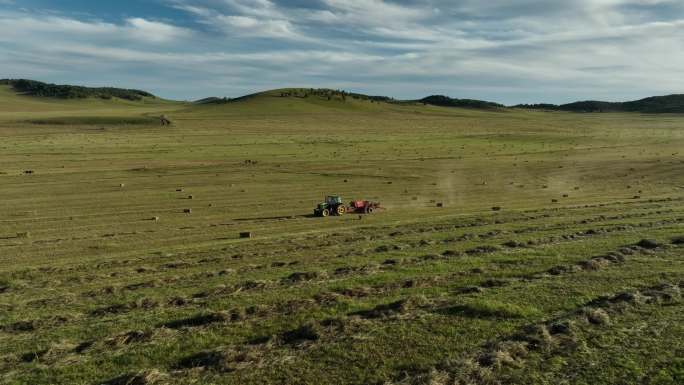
<point>325,213</point>
<point>341,210</point>
<point>369,210</point>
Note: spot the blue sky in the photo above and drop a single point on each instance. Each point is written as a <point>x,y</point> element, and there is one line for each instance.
<point>509,51</point>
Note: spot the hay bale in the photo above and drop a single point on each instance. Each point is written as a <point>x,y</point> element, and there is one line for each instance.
<point>191,197</point>
<point>485,249</point>
<point>471,290</point>
<point>198,320</point>
<point>24,235</point>
<point>496,208</point>
<point>452,253</point>
<point>304,276</point>
<point>128,338</point>
<point>507,353</point>
<point>187,211</point>
<point>440,204</point>
<point>206,359</point>
<point>122,185</point>
<point>310,332</point>
<point>595,264</point>
<point>246,234</point>
<point>561,327</point>
<point>598,317</point>
<point>21,326</point>
<point>513,244</point>
<point>648,244</point>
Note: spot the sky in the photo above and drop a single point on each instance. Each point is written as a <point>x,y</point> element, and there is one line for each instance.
<point>507,51</point>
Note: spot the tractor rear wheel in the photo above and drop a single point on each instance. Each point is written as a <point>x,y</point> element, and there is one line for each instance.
<point>341,210</point>
<point>325,213</point>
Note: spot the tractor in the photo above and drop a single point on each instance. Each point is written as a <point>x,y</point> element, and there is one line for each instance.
<point>333,206</point>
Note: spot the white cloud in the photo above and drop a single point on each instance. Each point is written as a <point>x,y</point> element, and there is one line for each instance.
<point>254,27</point>
<point>258,19</point>
<point>138,29</point>
<point>376,13</point>
<point>504,50</point>
<point>153,31</point>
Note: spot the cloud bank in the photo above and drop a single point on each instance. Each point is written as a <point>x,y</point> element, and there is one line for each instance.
<point>508,51</point>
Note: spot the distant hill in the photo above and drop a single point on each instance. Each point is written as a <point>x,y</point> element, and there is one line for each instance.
<point>652,105</point>
<point>445,101</point>
<point>302,93</point>
<point>36,88</point>
<point>655,104</point>
<point>212,100</point>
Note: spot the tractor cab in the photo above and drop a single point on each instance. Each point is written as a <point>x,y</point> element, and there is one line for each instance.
<point>333,200</point>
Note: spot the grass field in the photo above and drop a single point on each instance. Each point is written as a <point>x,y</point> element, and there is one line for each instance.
<point>105,278</point>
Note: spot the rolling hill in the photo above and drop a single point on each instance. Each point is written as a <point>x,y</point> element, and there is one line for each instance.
<point>96,109</point>
<point>445,101</point>
<point>36,88</point>
<point>651,105</point>
<point>318,96</point>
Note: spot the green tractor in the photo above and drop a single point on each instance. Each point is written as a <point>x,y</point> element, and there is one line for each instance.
<point>332,206</point>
